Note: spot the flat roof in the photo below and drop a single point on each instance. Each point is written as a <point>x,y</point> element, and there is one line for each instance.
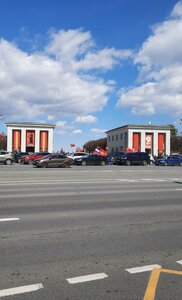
<point>147,127</point>
<point>30,124</point>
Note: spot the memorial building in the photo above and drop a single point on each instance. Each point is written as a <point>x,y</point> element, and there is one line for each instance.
<point>29,137</point>
<point>152,139</point>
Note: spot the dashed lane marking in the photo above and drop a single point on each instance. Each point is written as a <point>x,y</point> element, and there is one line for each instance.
<point>9,219</point>
<point>143,269</point>
<point>21,290</point>
<point>179,262</point>
<point>86,278</point>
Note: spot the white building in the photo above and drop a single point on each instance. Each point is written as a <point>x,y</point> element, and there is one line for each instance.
<point>29,137</point>
<point>145,138</point>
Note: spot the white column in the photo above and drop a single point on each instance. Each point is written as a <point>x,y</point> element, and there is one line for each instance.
<point>167,143</point>
<point>23,140</point>
<point>130,139</point>
<point>142,141</point>
<point>9,139</point>
<point>155,143</point>
<point>50,140</point>
<point>37,140</point>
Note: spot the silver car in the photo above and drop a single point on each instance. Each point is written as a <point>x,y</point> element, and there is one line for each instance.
<point>6,157</point>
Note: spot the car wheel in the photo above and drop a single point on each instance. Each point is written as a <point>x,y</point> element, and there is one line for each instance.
<point>144,163</point>
<point>30,162</point>
<point>19,160</point>
<point>180,164</point>
<point>128,163</point>
<point>103,163</point>
<point>165,164</point>
<point>8,162</point>
<point>44,166</point>
<point>67,165</point>
<point>84,163</point>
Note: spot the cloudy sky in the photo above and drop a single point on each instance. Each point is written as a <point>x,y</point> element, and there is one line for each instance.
<point>90,66</point>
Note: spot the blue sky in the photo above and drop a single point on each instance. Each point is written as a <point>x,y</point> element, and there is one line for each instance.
<point>90,66</point>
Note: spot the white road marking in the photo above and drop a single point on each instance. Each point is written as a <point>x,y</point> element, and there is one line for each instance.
<point>9,219</point>
<point>127,180</point>
<point>86,278</point>
<point>154,180</point>
<point>21,290</point>
<point>45,181</point>
<point>143,269</point>
<point>178,189</point>
<point>179,262</point>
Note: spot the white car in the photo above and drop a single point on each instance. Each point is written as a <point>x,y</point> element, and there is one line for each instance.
<point>6,157</point>
<point>152,159</point>
<point>77,155</point>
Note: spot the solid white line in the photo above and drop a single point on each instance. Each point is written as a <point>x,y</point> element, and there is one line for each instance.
<point>85,278</point>
<point>9,219</point>
<point>21,290</point>
<point>179,262</point>
<point>143,269</point>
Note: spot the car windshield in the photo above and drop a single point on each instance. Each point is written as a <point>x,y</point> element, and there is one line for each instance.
<point>47,156</point>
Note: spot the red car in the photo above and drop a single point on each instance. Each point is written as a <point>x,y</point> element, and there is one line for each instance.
<point>30,158</point>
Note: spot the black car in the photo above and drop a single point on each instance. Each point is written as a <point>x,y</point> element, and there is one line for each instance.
<point>113,157</point>
<point>19,155</point>
<point>92,160</point>
<point>134,158</point>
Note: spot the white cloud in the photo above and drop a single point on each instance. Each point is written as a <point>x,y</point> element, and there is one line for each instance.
<point>77,131</point>
<point>103,59</point>
<point>160,70</point>
<point>51,117</point>
<point>177,10</point>
<point>98,131</point>
<point>86,119</point>
<point>61,123</point>
<point>50,82</point>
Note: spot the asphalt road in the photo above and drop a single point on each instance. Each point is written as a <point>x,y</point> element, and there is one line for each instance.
<point>57,226</point>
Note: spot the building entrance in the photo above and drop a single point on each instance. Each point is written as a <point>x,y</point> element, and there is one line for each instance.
<point>30,149</point>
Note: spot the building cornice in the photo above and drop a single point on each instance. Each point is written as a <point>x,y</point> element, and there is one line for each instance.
<point>30,125</point>
<point>145,127</point>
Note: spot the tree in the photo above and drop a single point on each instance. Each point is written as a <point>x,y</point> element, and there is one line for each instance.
<point>174,130</point>
<point>91,145</point>
<point>176,140</point>
<point>3,141</point>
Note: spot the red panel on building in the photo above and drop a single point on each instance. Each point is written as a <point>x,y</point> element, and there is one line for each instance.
<point>148,141</point>
<point>136,142</point>
<point>16,140</point>
<point>44,141</point>
<point>161,142</point>
<point>30,138</point>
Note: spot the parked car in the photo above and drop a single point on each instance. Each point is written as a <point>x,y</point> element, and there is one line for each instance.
<point>54,160</point>
<point>30,158</point>
<point>6,157</point>
<point>113,157</point>
<point>77,155</point>
<point>19,155</point>
<point>92,160</point>
<point>152,159</point>
<point>134,158</point>
<point>171,160</point>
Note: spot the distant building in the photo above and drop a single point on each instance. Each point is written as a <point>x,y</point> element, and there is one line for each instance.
<point>29,137</point>
<point>145,138</point>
